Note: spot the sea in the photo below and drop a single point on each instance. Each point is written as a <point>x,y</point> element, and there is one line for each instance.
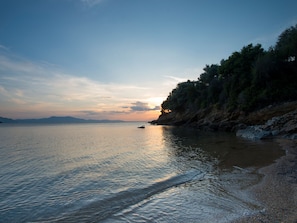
<point>117,172</point>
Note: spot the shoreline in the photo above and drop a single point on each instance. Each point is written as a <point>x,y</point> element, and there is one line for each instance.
<point>277,191</point>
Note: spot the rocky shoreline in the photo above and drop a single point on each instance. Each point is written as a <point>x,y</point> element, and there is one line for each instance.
<point>271,121</point>
<point>284,125</point>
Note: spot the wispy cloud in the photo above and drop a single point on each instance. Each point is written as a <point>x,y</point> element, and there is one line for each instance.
<point>3,48</point>
<point>44,87</point>
<point>176,79</point>
<point>91,3</point>
<point>143,106</point>
<point>172,81</point>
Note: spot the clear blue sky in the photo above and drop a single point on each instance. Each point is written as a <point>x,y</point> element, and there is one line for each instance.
<point>115,59</point>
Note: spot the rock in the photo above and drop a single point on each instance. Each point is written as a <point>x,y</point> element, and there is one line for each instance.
<point>293,137</point>
<point>284,125</point>
<point>253,133</point>
<point>275,132</point>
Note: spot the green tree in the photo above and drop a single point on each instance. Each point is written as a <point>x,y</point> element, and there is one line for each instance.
<point>237,74</point>
<point>286,46</point>
<point>248,79</point>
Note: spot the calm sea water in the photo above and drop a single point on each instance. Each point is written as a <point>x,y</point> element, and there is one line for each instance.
<point>120,173</point>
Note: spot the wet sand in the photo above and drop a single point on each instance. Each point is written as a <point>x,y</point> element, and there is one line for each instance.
<point>277,192</point>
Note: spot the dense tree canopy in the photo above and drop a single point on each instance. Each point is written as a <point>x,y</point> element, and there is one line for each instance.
<point>247,80</point>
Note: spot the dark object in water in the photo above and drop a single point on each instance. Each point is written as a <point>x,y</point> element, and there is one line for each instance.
<point>141,127</point>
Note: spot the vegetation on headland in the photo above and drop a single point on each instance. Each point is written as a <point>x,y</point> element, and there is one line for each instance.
<point>246,81</point>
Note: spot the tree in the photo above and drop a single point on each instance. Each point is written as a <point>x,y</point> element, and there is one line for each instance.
<point>286,46</point>
<point>210,73</point>
<point>180,98</point>
<point>247,80</point>
<point>237,73</point>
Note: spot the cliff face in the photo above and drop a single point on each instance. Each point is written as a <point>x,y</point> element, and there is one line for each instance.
<point>281,118</point>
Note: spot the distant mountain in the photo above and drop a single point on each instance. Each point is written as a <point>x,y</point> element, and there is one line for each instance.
<point>6,120</point>
<point>55,119</point>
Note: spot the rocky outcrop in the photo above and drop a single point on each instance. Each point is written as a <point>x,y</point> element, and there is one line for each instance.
<point>284,125</point>
<point>273,120</point>
<point>253,133</point>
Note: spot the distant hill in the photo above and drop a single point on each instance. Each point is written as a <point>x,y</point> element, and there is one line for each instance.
<point>6,120</point>
<point>55,119</point>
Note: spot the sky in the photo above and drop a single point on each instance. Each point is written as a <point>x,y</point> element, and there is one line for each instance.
<point>119,59</point>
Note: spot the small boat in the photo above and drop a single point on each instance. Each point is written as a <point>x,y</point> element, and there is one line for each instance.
<point>141,127</point>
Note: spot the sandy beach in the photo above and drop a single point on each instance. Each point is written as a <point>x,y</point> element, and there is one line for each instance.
<point>277,191</point>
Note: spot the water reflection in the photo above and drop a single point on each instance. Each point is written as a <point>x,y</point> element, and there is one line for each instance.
<point>228,163</point>
<point>222,149</point>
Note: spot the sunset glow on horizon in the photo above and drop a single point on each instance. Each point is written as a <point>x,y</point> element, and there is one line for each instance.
<point>118,60</point>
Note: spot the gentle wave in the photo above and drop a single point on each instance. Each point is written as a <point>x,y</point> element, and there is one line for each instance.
<point>116,173</point>
<point>100,210</point>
